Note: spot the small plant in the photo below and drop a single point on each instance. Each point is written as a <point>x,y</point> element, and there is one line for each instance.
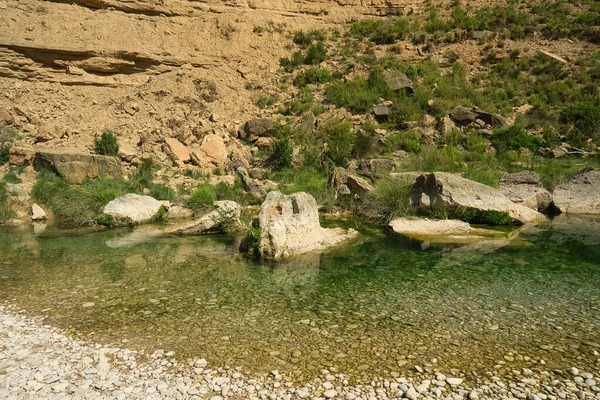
<point>107,144</point>
<point>474,216</point>
<point>365,140</point>
<point>105,220</point>
<point>253,239</point>
<point>265,101</point>
<point>303,39</point>
<point>11,177</point>
<point>258,29</point>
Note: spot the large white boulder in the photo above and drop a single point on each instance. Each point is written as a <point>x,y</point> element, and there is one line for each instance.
<point>579,193</point>
<point>290,226</point>
<point>442,189</point>
<point>133,208</point>
<point>225,216</point>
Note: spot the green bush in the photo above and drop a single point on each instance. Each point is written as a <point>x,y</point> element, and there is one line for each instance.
<point>253,239</point>
<point>4,152</point>
<point>365,140</point>
<point>289,64</point>
<point>381,32</point>
<point>339,138</point>
<point>312,75</point>
<point>390,199</point>
<point>107,144</point>
<point>202,198</point>
<point>474,216</point>
<point>359,94</point>
<point>585,117</point>
<point>315,54</point>
<point>265,101</point>
<point>408,141</point>
<point>5,211</point>
<point>281,153</point>
<point>513,138</point>
<point>303,39</point>
<point>301,103</point>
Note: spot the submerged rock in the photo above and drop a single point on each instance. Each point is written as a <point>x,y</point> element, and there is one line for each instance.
<point>226,215</point>
<point>290,225</point>
<point>37,213</point>
<point>133,208</point>
<point>452,192</point>
<point>441,231</point>
<point>579,193</point>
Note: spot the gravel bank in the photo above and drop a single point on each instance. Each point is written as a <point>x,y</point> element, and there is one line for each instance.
<point>39,362</point>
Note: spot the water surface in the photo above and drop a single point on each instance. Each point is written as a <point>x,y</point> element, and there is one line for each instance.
<point>369,308</point>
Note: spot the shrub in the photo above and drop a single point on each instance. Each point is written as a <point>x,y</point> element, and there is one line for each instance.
<point>281,153</point>
<point>312,75</point>
<point>339,138</point>
<point>202,198</point>
<point>253,239</point>
<point>585,117</point>
<point>305,39</point>
<point>513,138</point>
<point>4,152</point>
<point>381,32</point>
<point>315,54</point>
<point>390,199</point>
<point>365,140</point>
<point>5,211</point>
<point>408,141</point>
<point>265,101</point>
<point>107,144</point>
<point>293,62</point>
<point>359,94</point>
<point>474,216</point>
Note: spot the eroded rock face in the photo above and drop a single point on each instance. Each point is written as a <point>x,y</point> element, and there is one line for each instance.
<point>226,215</point>
<point>526,188</point>
<point>76,168</point>
<point>579,193</point>
<point>133,208</point>
<point>452,191</point>
<point>290,225</point>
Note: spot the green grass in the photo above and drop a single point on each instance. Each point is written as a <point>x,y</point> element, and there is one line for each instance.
<point>83,204</point>
<point>305,180</point>
<point>4,152</point>
<point>5,211</point>
<point>390,199</point>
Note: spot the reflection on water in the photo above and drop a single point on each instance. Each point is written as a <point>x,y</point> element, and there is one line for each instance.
<point>369,308</point>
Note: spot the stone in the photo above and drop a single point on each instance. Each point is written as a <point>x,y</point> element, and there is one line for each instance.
<point>397,81</point>
<point>526,188</point>
<point>127,151</point>
<point>257,127</point>
<point>463,114</point>
<point>378,166</point>
<point>338,177</point>
<point>250,185</point>
<point>179,212</point>
<point>381,112</point>
<point>133,208</point>
<point>176,151</point>
<point>446,125</point>
<point>307,122</point>
<point>482,35</point>
<point>442,231</point>
<point>560,150</point>
<point>329,394</point>
<point>37,213</point>
<point>6,118</point>
<point>21,155</point>
<point>454,381</point>
<point>225,216</point>
<point>290,226</point>
<point>411,394</point>
<point>579,193</point>
<point>358,186</point>
<point>212,152</point>
<point>49,132</point>
<point>76,168</point>
<point>452,192</point>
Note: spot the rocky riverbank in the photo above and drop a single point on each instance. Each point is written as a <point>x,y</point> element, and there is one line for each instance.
<point>38,361</point>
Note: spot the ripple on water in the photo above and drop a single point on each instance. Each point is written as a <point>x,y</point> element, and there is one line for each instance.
<point>373,307</point>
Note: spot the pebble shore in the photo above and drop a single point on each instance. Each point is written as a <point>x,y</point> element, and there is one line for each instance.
<point>39,362</point>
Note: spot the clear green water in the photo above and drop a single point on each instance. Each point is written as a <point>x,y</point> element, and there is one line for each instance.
<point>369,308</point>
